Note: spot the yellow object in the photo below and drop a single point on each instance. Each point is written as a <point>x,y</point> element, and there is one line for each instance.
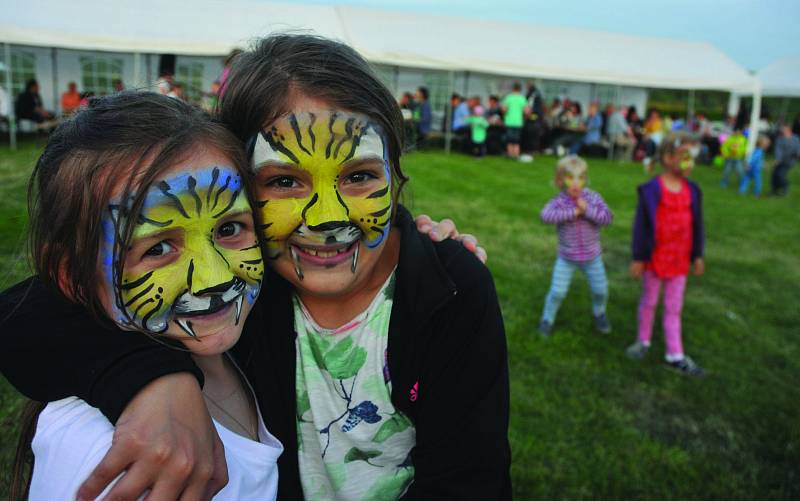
<point>322,144</point>
<point>734,147</point>
<point>192,215</point>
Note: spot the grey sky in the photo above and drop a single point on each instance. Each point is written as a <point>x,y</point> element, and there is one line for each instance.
<point>753,33</point>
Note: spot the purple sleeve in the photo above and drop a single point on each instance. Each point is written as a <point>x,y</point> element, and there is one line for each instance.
<point>698,231</point>
<point>555,212</point>
<point>597,211</point>
<point>639,245</point>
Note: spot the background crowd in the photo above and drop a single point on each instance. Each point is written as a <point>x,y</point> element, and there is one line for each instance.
<point>520,125</point>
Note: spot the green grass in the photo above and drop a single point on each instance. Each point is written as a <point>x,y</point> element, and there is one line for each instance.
<point>586,422</point>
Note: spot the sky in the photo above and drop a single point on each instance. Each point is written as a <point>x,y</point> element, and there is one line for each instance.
<point>754,33</point>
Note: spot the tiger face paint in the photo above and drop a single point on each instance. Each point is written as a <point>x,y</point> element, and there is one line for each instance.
<point>193,256</point>
<point>328,181</point>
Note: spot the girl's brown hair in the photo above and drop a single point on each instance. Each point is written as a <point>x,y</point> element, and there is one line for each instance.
<point>126,139</point>
<point>264,79</point>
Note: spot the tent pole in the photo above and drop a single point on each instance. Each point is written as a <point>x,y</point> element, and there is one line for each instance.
<point>784,110</point>
<point>755,118</point>
<point>690,107</point>
<point>12,121</point>
<point>137,70</point>
<point>448,113</point>
<point>54,68</point>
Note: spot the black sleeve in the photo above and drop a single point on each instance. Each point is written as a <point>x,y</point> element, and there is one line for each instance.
<point>462,449</point>
<point>53,349</point>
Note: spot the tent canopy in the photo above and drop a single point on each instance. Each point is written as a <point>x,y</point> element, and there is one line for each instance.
<point>781,78</point>
<point>213,27</point>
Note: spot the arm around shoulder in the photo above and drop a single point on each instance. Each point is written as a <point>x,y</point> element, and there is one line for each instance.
<point>462,449</point>
<point>53,349</point>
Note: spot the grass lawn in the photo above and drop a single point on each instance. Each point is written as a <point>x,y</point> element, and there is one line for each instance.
<point>586,422</point>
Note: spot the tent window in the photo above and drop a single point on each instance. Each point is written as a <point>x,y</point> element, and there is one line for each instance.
<point>605,94</point>
<point>23,68</point>
<point>438,85</point>
<point>387,76</point>
<point>190,75</point>
<point>99,73</point>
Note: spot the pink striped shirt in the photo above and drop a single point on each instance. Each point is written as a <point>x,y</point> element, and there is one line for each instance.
<point>578,238</point>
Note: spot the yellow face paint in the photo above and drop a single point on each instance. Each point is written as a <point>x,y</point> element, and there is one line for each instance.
<point>322,144</point>
<point>205,276</point>
<point>578,182</point>
<point>687,159</point>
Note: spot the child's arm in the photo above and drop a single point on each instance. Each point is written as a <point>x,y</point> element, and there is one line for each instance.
<point>597,211</point>
<point>556,212</point>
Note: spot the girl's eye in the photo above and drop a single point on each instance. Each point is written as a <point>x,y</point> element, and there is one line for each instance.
<point>360,177</point>
<point>229,229</point>
<point>282,182</point>
<point>160,249</point>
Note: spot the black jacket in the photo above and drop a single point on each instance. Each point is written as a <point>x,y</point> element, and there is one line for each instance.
<point>447,359</point>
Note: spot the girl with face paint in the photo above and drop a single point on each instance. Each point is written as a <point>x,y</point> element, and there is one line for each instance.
<point>578,214</point>
<point>405,333</point>
<point>667,238</point>
<point>160,242</point>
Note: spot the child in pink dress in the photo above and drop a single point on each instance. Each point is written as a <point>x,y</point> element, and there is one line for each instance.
<point>667,238</point>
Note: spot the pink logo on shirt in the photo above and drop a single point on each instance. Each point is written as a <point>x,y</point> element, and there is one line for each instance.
<point>414,390</point>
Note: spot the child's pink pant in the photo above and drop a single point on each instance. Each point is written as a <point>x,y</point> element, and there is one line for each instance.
<point>673,303</point>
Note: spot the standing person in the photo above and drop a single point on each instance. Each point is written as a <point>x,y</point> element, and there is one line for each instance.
<point>535,126</point>
<point>733,151</point>
<point>668,237</point>
<point>372,340</point>
<point>619,132</point>
<point>149,260</point>
<point>787,150</point>
<point>422,116</point>
<point>754,168</point>
<point>478,127</point>
<point>70,100</point>
<point>514,108</point>
<point>578,213</point>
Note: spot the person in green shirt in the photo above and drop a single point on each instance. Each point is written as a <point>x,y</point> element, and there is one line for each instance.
<point>478,126</point>
<point>733,151</point>
<point>514,108</point>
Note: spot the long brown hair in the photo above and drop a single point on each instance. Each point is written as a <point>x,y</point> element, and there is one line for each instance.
<point>130,138</point>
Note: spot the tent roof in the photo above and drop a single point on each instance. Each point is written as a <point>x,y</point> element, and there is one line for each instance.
<point>781,78</point>
<point>213,27</point>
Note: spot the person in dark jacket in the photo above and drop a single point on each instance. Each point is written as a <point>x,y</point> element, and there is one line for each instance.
<point>668,238</point>
<point>404,337</point>
<point>29,104</point>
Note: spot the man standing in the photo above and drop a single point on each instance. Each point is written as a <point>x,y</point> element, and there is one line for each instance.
<point>422,115</point>
<point>514,110</point>
<point>787,149</point>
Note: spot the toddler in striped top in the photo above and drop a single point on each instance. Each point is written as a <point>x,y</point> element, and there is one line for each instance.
<point>578,214</point>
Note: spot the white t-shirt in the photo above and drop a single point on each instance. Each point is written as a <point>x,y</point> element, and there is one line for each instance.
<point>72,437</point>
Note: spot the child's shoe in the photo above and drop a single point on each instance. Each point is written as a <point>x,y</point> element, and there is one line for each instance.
<point>637,350</point>
<point>687,366</point>
<point>545,328</point>
<point>602,324</point>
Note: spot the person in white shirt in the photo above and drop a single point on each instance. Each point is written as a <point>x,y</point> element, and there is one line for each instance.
<point>162,243</point>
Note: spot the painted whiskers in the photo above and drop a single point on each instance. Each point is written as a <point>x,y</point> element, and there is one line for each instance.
<point>196,209</point>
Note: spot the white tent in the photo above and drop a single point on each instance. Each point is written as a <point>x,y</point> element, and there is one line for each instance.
<point>781,78</point>
<point>400,39</point>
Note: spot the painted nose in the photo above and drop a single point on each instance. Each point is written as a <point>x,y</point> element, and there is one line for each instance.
<point>326,210</point>
<point>208,273</point>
